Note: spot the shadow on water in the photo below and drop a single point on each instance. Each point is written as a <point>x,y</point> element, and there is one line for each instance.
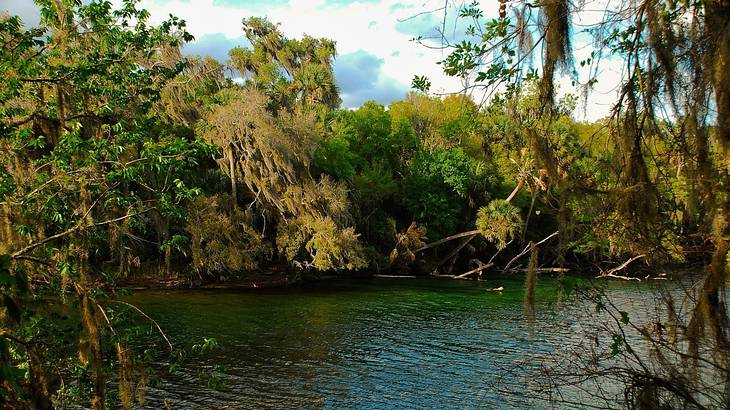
<point>406,343</point>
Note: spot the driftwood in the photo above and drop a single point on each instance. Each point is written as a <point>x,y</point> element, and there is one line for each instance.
<point>395,276</point>
<point>527,250</point>
<point>436,275</point>
<point>612,273</point>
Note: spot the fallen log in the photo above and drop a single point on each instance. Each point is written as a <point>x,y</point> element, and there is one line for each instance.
<point>456,250</point>
<point>547,270</point>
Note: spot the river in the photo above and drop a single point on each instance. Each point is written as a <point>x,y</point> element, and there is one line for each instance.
<point>372,343</point>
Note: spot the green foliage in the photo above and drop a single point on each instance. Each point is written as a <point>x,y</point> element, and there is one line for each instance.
<point>375,186</point>
<point>206,345</point>
<point>309,79</point>
<point>450,167</point>
<point>374,137</point>
<point>433,202</point>
<point>118,153</point>
<point>436,186</point>
<point>334,156</point>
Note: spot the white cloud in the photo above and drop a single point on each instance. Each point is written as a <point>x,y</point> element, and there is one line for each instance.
<point>379,28</point>
<point>368,26</point>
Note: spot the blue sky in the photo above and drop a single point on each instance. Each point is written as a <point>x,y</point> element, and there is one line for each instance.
<point>376,55</point>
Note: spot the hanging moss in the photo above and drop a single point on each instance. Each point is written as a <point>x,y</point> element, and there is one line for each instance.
<point>319,243</point>
<point>557,50</point>
<point>531,279</point>
<point>222,237</point>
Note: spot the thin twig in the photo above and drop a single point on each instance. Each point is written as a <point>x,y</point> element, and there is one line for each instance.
<point>159,329</point>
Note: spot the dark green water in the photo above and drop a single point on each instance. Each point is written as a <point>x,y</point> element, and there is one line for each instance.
<point>378,343</point>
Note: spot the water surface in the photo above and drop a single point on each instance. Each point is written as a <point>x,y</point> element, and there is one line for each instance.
<point>376,343</point>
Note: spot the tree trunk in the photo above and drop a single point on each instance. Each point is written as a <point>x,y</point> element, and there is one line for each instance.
<point>520,185</point>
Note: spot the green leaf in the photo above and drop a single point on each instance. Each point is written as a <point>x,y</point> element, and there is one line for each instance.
<point>618,341</point>
<point>5,278</point>
<point>624,318</point>
<point>568,284</point>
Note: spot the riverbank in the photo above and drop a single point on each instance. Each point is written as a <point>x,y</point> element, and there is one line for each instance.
<point>276,278</point>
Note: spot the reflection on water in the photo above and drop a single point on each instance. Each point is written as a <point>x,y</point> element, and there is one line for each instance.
<point>380,343</point>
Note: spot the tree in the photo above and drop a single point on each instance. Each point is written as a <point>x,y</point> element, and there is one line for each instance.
<point>307,64</point>
<point>82,156</point>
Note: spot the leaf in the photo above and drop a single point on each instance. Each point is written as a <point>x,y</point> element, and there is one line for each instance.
<point>568,284</point>
<point>624,318</point>
<point>618,341</point>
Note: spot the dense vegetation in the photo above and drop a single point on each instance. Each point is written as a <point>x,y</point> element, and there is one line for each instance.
<point>123,159</point>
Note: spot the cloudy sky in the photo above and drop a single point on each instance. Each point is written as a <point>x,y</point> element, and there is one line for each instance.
<point>377,58</point>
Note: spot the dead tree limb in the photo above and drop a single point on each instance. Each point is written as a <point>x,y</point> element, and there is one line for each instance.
<point>549,270</point>
<point>527,250</point>
<point>479,269</point>
<point>612,273</point>
<point>448,238</point>
<point>457,249</point>
<point>78,227</point>
<point>159,329</point>
<point>518,188</point>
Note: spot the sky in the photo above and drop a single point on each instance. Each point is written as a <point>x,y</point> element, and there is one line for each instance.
<point>377,57</point>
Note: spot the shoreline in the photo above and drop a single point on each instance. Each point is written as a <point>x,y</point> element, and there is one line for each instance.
<point>279,280</point>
